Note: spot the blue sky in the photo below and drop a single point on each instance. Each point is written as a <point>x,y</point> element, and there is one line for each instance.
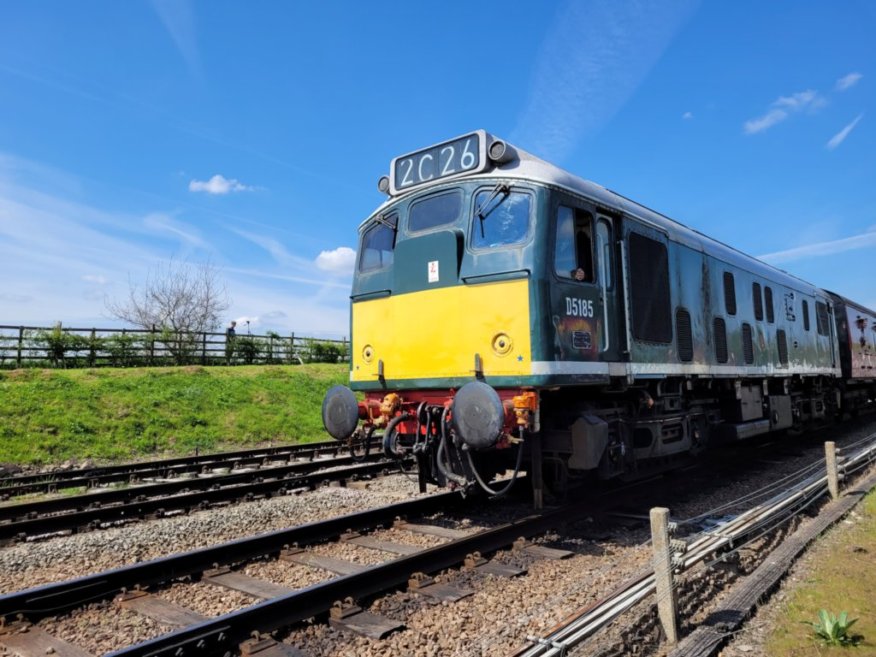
<point>253,134</point>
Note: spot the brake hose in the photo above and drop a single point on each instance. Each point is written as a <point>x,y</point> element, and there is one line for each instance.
<point>503,491</point>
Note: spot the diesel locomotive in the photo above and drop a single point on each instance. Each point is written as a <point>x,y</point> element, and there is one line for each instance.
<point>507,314</point>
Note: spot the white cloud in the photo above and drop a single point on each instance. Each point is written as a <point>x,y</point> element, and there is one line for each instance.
<point>277,250</point>
<point>592,59</point>
<point>800,100</point>
<point>160,222</point>
<point>218,184</point>
<point>687,115</point>
<point>768,120</point>
<point>178,18</point>
<point>848,81</point>
<point>49,245</point>
<point>831,247</point>
<point>247,322</point>
<point>781,108</point>
<point>15,298</point>
<point>339,261</point>
<point>840,137</point>
<point>260,273</point>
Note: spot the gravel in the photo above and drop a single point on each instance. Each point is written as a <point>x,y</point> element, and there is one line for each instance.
<point>496,619</point>
<point>31,564</point>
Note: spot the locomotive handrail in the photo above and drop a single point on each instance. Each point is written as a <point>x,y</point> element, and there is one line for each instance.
<point>626,285</point>
<point>511,275</point>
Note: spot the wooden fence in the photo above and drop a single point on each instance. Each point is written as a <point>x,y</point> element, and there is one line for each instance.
<point>34,346</point>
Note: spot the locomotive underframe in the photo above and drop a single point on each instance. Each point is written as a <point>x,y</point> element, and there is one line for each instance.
<point>617,430</point>
<point>628,430</point>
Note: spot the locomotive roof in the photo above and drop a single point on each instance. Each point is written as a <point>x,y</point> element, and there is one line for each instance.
<point>526,166</point>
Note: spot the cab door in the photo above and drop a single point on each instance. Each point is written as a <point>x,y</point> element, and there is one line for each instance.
<point>583,298</point>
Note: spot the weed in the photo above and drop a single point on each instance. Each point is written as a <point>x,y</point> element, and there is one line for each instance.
<point>834,630</point>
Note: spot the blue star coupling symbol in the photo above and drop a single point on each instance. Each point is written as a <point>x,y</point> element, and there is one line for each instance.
<point>520,358</point>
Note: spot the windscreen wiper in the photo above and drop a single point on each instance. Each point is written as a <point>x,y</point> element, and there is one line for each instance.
<point>500,188</point>
<point>380,219</point>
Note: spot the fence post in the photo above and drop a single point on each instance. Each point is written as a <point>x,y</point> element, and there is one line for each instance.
<point>20,345</point>
<point>152,346</point>
<point>832,472</point>
<point>662,556</point>
<point>204,350</point>
<point>92,353</point>
<point>270,349</point>
<point>292,347</point>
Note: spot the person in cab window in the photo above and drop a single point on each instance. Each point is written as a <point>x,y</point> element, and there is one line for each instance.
<point>574,251</point>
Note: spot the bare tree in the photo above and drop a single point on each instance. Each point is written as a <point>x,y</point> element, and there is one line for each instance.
<point>179,301</point>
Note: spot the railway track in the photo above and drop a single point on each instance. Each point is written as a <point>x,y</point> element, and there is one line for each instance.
<point>138,589</point>
<point>215,565</point>
<point>101,476</point>
<point>94,510</point>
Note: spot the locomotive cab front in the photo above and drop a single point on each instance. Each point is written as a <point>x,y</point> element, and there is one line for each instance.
<point>473,291</point>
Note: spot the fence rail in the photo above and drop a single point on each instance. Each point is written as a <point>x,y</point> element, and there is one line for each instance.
<point>59,346</point>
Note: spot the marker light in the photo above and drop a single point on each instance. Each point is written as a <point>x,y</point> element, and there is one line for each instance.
<point>383,184</point>
<point>500,152</point>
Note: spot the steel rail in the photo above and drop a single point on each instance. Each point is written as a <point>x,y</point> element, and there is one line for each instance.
<point>95,476</point>
<point>66,504</point>
<point>220,634</point>
<point>51,599</point>
<point>178,495</point>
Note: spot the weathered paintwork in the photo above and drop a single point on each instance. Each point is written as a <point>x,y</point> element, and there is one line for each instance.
<point>857,339</point>
<point>430,331</point>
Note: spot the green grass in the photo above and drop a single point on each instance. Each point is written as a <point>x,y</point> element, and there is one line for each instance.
<point>843,578</point>
<point>48,416</point>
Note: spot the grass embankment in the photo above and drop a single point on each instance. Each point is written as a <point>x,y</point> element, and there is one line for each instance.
<point>842,578</point>
<point>48,416</point>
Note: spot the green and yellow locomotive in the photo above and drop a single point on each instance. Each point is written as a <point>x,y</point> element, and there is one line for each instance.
<point>506,311</point>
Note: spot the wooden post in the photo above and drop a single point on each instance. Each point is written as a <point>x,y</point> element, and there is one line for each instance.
<point>20,345</point>
<point>204,349</point>
<point>832,473</point>
<point>662,559</point>
<point>92,353</point>
<point>292,347</point>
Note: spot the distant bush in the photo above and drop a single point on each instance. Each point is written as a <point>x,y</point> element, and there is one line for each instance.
<point>248,348</point>
<point>123,349</point>
<point>320,351</point>
<point>181,346</point>
<point>59,344</point>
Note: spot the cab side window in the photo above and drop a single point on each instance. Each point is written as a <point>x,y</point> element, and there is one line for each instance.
<point>573,256</point>
<point>378,244</point>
